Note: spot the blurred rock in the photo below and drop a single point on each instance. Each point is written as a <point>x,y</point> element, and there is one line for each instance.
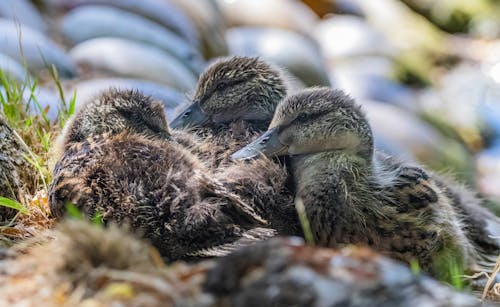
<point>468,101</point>
<point>24,12</point>
<point>12,68</point>
<point>298,54</point>
<point>350,36</point>
<point>402,129</point>
<point>348,7</point>
<point>373,87</point>
<point>131,59</point>
<point>164,12</point>
<point>285,14</point>
<point>488,171</point>
<point>171,99</point>
<point>37,50</point>
<point>284,272</point>
<point>87,22</point>
<point>209,21</point>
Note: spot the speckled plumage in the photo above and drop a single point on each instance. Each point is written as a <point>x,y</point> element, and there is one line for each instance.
<point>17,175</point>
<point>238,96</point>
<point>120,161</point>
<point>355,195</point>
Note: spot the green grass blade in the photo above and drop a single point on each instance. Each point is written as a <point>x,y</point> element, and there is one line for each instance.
<point>9,203</point>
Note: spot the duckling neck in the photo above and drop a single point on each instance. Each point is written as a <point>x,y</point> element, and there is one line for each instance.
<point>325,183</point>
<point>333,163</point>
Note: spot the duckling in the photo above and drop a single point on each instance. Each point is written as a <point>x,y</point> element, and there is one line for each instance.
<point>234,102</point>
<point>352,193</point>
<point>120,162</point>
<point>17,175</point>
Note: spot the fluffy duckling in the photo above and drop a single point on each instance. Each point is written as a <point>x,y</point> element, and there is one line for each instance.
<point>17,175</point>
<point>119,162</point>
<point>353,194</point>
<point>234,102</point>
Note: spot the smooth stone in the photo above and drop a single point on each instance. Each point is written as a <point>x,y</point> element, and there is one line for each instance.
<point>34,45</point>
<point>135,60</point>
<point>284,14</point>
<point>295,52</point>
<point>350,36</point>
<point>373,65</point>
<point>209,21</point>
<point>373,87</point>
<point>164,12</point>
<point>22,11</point>
<point>488,171</point>
<point>12,68</point>
<point>403,129</point>
<point>171,99</point>
<point>348,7</point>
<point>87,22</point>
<point>467,98</point>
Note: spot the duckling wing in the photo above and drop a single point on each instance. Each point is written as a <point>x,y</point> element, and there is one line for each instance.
<point>409,185</point>
<point>249,237</point>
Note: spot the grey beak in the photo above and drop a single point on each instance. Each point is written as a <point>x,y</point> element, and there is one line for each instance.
<point>267,144</point>
<point>191,116</point>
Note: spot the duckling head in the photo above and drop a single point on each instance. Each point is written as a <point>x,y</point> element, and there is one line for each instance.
<point>235,88</point>
<point>312,121</point>
<point>115,111</point>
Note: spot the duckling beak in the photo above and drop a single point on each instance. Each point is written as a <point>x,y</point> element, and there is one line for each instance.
<point>191,116</point>
<point>267,144</point>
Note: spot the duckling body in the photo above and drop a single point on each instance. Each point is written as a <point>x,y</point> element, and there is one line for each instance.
<point>234,103</point>
<point>353,194</point>
<point>17,175</point>
<point>120,162</point>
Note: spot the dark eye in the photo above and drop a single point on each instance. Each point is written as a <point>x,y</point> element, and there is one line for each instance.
<point>264,140</point>
<point>186,114</point>
<point>302,117</point>
<point>220,86</point>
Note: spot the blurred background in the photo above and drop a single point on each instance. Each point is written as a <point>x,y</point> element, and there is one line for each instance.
<point>426,72</point>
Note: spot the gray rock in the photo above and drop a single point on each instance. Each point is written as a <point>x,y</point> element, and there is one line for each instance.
<point>373,87</point>
<point>37,49</point>
<point>348,36</point>
<point>171,99</point>
<point>284,272</point>
<point>209,21</point>
<point>285,14</point>
<point>22,11</point>
<point>136,60</point>
<point>87,22</point>
<point>295,52</point>
<point>163,12</point>
<point>12,68</point>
